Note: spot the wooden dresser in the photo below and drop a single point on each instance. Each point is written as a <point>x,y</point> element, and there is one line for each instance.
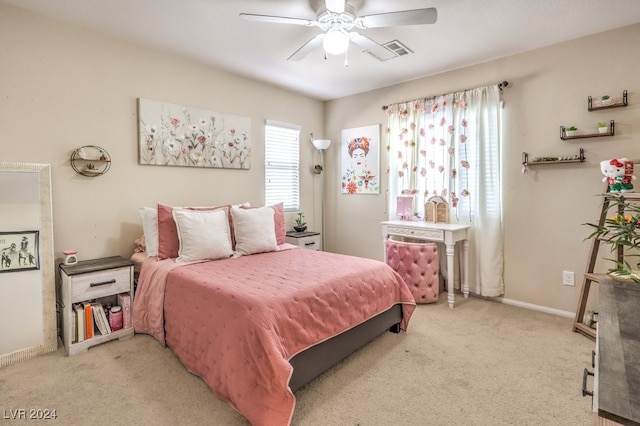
<point>617,381</point>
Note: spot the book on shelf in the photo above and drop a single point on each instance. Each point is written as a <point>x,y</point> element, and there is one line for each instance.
<point>100,318</point>
<point>105,319</point>
<point>78,314</point>
<point>88,320</point>
<point>124,300</point>
<point>74,327</point>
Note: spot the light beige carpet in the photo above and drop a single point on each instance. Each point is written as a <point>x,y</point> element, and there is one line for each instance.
<point>481,363</point>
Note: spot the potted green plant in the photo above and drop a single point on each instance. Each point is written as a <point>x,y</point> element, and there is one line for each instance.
<point>606,100</point>
<point>300,225</point>
<point>91,169</point>
<point>317,169</point>
<point>621,231</point>
<point>570,131</point>
<point>603,127</point>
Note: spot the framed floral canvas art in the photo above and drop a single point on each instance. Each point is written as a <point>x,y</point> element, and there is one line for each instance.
<point>360,152</point>
<point>176,135</point>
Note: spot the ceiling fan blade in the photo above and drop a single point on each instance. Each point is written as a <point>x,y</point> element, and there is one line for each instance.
<point>371,46</point>
<point>306,48</point>
<point>404,17</point>
<point>278,19</point>
<point>335,6</point>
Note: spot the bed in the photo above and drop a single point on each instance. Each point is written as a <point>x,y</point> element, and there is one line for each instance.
<point>257,327</point>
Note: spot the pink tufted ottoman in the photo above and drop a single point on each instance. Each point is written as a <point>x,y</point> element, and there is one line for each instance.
<point>417,264</point>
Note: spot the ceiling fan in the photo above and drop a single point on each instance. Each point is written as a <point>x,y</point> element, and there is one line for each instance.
<point>337,19</point>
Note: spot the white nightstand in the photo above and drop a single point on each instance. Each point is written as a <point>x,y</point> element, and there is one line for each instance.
<point>108,281</point>
<point>307,239</point>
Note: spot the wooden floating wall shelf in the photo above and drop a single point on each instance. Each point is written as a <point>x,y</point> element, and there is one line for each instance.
<point>564,137</point>
<point>580,158</point>
<point>622,103</point>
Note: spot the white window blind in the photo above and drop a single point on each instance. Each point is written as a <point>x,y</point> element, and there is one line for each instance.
<point>282,164</point>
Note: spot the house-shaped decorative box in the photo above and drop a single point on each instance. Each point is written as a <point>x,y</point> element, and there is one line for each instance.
<point>436,210</point>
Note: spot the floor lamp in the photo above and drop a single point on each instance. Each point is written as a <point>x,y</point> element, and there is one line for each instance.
<point>321,145</point>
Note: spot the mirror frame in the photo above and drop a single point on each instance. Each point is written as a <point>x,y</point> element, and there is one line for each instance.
<point>47,265</point>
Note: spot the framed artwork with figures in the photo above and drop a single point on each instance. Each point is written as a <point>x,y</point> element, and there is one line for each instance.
<point>360,153</point>
<point>19,251</point>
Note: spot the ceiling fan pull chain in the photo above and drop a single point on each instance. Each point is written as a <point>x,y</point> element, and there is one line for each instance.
<point>346,58</point>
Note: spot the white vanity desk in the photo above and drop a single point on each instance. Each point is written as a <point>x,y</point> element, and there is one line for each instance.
<point>446,233</point>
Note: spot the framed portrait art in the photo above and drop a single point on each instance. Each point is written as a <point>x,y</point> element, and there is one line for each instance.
<point>360,154</point>
<point>19,251</point>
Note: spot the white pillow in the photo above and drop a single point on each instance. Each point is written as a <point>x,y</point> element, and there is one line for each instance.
<point>254,230</point>
<point>149,218</point>
<point>203,234</point>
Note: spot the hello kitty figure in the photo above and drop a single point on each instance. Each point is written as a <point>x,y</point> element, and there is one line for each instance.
<point>618,174</point>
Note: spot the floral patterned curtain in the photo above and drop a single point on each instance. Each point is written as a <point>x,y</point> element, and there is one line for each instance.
<point>449,147</point>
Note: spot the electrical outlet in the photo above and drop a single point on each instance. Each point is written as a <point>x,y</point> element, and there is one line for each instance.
<point>568,278</point>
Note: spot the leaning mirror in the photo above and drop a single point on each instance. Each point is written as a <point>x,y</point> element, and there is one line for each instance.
<point>27,272</point>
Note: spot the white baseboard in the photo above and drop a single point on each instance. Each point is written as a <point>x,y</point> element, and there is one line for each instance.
<point>531,306</point>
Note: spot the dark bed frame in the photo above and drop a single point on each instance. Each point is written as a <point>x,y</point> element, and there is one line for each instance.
<point>309,364</point>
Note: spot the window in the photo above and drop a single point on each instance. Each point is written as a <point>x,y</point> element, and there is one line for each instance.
<point>449,147</point>
<point>282,164</point>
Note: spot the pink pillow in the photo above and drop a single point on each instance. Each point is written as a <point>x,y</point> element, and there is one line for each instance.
<point>278,218</point>
<point>168,242</point>
<point>278,221</point>
<point>167,233</point>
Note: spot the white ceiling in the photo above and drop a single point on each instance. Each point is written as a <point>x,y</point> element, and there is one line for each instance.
<point>467,32</point>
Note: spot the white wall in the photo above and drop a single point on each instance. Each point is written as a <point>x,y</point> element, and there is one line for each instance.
<point>64,87</point>
<point>544,210</point>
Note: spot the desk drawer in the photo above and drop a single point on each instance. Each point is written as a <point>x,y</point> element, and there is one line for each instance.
<point>100,283</point>
<point>429,234</point>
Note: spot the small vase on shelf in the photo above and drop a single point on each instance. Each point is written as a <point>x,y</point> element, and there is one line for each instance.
<point>603,128</point>
<point>300,228</point>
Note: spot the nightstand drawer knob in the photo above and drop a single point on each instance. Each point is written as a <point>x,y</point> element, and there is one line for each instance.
<point>102,283</point>
<point>310,244</point>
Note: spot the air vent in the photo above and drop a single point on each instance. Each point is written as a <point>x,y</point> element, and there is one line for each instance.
<point>395,49</point>
<point>398,48</point>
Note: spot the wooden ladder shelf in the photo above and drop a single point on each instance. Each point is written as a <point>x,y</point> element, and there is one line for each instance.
<point>590,276</point>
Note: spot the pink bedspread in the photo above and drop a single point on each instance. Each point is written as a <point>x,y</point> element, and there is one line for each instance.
<point>237,322</point>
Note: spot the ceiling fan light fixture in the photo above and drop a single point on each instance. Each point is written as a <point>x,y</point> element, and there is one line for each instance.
<point>335,42</point>
<point>335,6</point>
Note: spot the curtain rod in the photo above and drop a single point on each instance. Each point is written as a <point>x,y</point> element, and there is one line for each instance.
<point>501,86</point>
